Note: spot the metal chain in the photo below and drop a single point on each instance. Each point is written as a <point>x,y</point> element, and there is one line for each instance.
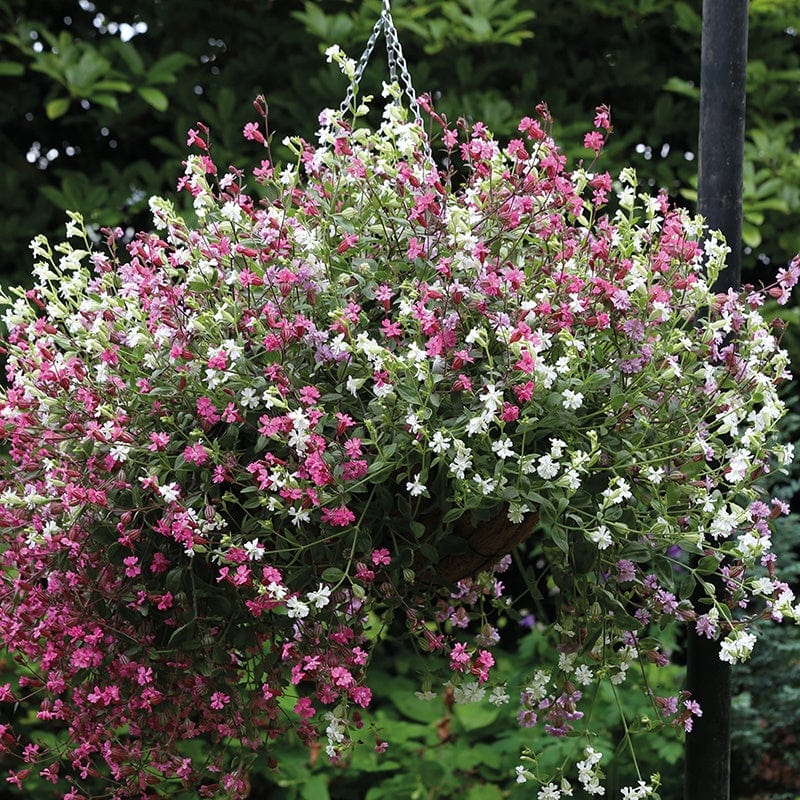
<point>362,63</point>
<point>394,52</point>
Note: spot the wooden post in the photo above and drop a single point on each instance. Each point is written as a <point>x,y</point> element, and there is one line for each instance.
<point>721,156</point>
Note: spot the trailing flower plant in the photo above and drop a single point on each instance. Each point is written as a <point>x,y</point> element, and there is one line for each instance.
<point>241,446</point>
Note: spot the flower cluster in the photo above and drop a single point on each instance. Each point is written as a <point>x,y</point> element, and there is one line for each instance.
<point>240,445</point>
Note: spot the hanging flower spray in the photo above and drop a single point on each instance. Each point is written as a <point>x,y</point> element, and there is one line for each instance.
<point>241,448</point>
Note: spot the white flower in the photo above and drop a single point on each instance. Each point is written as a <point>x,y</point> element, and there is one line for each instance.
<point>724,522</point>
<point>738,467</point>
<point>588,773</point>
<point>503,448</point>
<point>276,591</point>
<point>784,453</point>
<point>288,175</point>
<point>546,467</point>
<point>655,476</point>
<point>486,485</point>
<point>415,488</point>
<point>321,597</point>
<point>570,479</point>
<point>566,661</point>
<point>296,608</point>
<point>478,424</point>
<point>571,400</point>
<point>492,398</point>
<point>231,211</point>
<point>170,492</point>
<point>763,586</point>
<point>548,792</point>
<point>584,674</point>
<point>499,696</point>
<point>601,537</point>
<point>353,385</point>
<point>120,452</point>
<point>462,461</point>
<point>637,793</point>
<point>248,397</point>
<point>439,443</point>
<point>468,692</point>
<point>618,490</point>
<point>414,423</point>
<point>299,516</point>
<point>516,513</point>
<point>736,647</point>
<point>426,696</point>
<point>254,550</point>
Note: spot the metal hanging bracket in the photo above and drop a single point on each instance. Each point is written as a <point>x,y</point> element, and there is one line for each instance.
<point>397,62</point>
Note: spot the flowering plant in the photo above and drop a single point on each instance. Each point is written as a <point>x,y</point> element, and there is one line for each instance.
<point>239,448</point>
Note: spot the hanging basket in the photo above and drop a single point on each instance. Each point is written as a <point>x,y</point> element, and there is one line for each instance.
<point>236,443</point>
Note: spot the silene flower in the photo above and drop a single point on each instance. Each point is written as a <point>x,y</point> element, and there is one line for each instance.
<point>245,444</point>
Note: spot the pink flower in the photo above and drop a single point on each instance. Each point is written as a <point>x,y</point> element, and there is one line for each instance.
<point>341,676</point>
<point>415,248</point>
<point>338,517</point>
<point>252,133</point>
<point>196,454</point>
<point>594,141</point>
<point>158,441</point>
<point>194,138</point>
<point>602,118</point>
<point>381,556</point>
<point>459,657</point>
<point>483,663</point>
<point>132,568</point>
<point>361,695</point>
<point>349,240</point>
<point>531,128</point>
<point>309,395</point>
<point>304,708</point>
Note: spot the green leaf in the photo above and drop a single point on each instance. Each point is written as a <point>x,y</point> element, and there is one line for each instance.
<point>57,108</point>
<point>153,97</point>
<point>484,791</point>
<point>636,551</point>
<point>130,55</point>
<point>112,86</point>
<point>11,69</point>
<point>411,707</point>
<point>682,87</point>
<point>476,715</point>
<point>315,788</point>
<point>558,536</point>
<point>107,100</point>
<point>226,103</point>
<point>751,235</point>
<point>163,71</point>
<point>452,515</point>
<point>432,773</point>
<point>82,76</point>
<point>332,575</point>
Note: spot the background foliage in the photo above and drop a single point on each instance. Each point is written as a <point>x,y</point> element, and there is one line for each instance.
<point>97,96</point>
<point>95,101</point>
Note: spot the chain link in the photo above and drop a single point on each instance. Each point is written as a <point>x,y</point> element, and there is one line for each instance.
<point>397,61</point>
